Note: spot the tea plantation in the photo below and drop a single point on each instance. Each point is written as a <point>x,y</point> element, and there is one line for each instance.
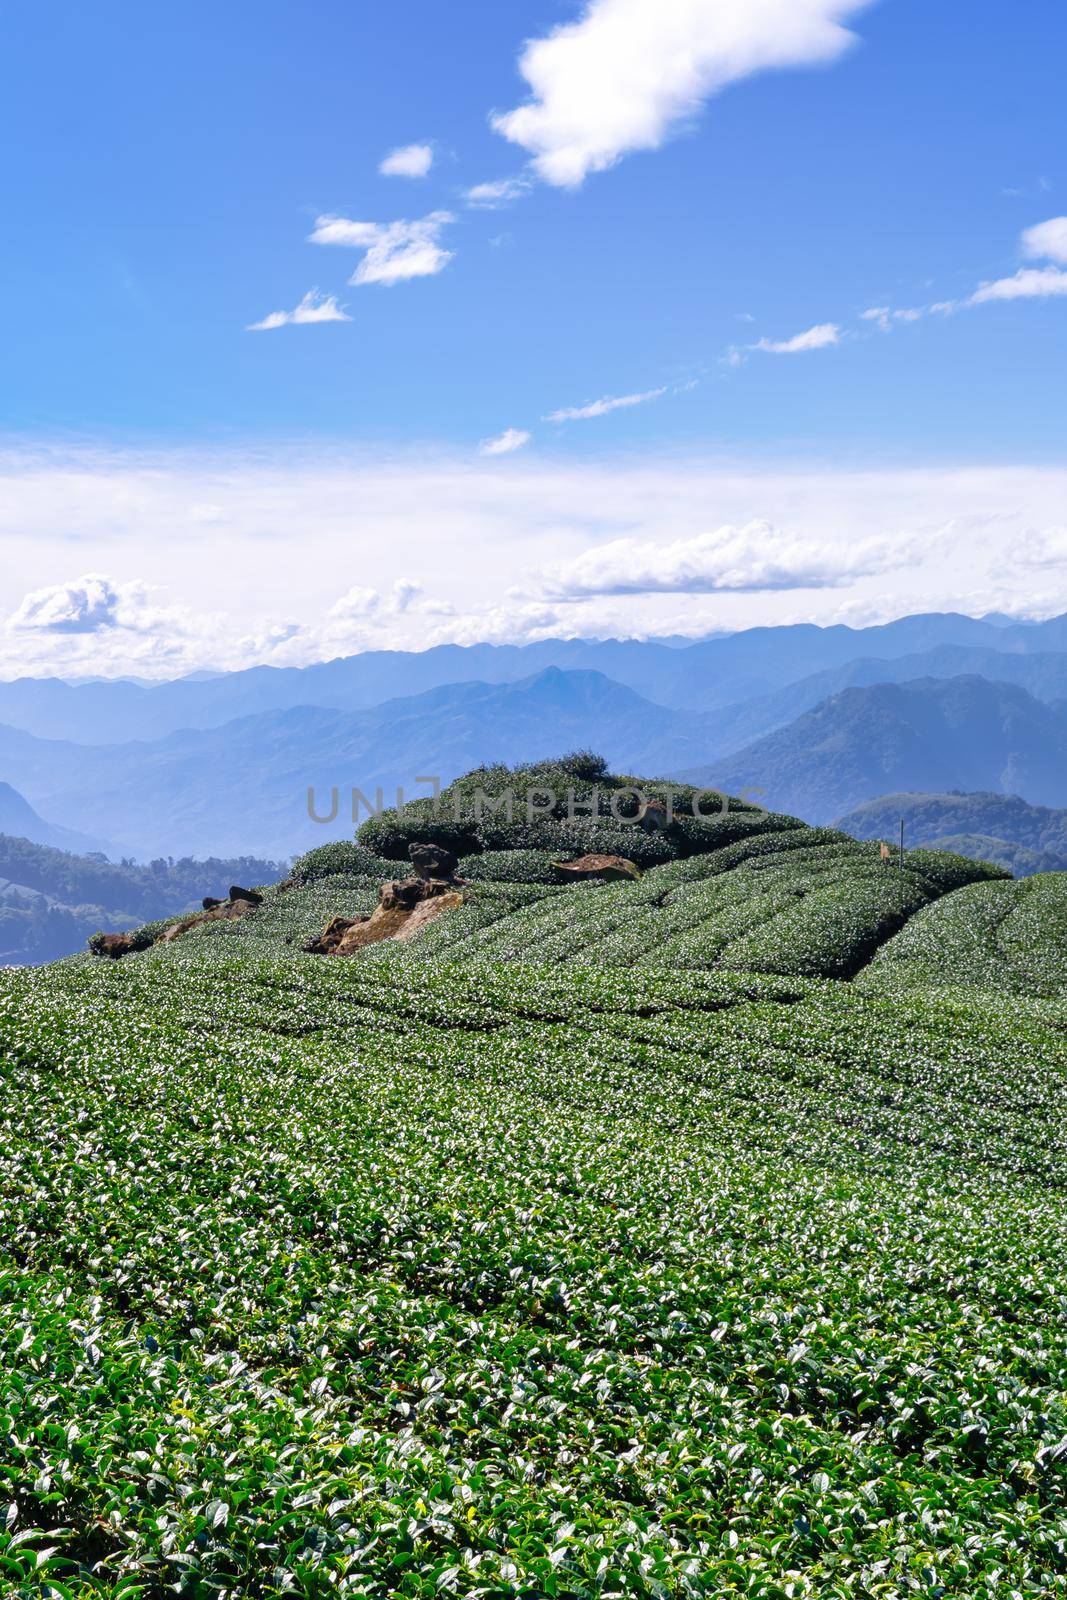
<point>703,1235</point>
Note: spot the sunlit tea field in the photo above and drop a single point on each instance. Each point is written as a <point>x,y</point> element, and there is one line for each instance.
<point>615,1240</point>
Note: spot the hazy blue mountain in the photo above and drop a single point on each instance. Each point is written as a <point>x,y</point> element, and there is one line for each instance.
<point>1044,675</point>
<point>242,788</point>
<point>702,676</point>
<point>996,827</point>
<point>932,736</point>
<point>19,819</point>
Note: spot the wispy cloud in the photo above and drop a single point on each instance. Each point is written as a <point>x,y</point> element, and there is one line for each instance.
<point>1046,241</point>
<point>821,337</point>
<point>1029,283</point>
<point>393,251</point>
<point>730,559</point>
<point>627,74</point>
<point>506,443</point>
<point>601,408</point>
<point>885,316</point>
<point>1046,547</point>
<point>409,161</point>
<point>494,196</point>
<point>314,307</point>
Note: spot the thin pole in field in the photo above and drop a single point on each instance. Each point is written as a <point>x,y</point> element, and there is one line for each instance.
<point>901,876</point>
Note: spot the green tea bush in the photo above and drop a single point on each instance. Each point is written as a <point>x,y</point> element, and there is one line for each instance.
<point>701,835</point>
<point>391,832</point>
<point>395,1278</point>
<point>828,931</point>
<point>510,866</point>
<point>797,900</point>
<point>559,1252</point>
<point>566,840</point>
<point>1003,935</point>
<point>341,858</point>
<point>949,871</point>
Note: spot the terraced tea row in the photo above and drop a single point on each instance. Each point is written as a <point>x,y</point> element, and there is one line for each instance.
<point>1009,937</point>
<point>797,901</point>
<point>376,1278</point>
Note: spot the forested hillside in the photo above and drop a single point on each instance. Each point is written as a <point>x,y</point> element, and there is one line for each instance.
<point>995,827</point>
<point>52,901</point>
<point>930,736</point>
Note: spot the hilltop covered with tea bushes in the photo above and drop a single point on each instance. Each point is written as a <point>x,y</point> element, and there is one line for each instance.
<point>697,1236</point>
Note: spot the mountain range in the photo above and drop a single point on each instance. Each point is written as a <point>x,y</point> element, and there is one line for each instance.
<point>820,719</point>
<point>995,827</point>
<point>930,735</point>
<point>704,676</point>
<point>244,787</point>
<point>19,819</point>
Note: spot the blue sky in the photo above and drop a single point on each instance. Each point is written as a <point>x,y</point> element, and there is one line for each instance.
<point>705,230</point>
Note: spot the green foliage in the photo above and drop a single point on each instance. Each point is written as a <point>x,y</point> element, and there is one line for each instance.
<point>52,902</point>
<point>585,766</point>
<point>547,789</point>
<point>33,934</point>
<point>571,804</point>
<point>341,858</point>
<point>796,900</point>
<point>586,1246</point>
<point>578,838</point>
<point>391,832</point>
<point>1005,819</point>
<point>510,866</point>
<point>147,890</point>
<point>713,829</point>
<point>142,938</point>
<point>1010,937</point>
<point>1018,859</point>
<point>949,871</point>
<point>368,1279</point>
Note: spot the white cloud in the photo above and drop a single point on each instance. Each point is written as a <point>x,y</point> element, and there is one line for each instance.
<point>754,557</point>
<point>601,408</point>
<point>628,73</point>
<point>1029,283</point>
<point>817,338</point>
<point>492,196</point>
<point>1047,241</point>
<point>361,604</point>
<point>394,251</point>
<point>82,606</point>
<point>506,443</point>
<point>409,161</point>
<point>359,517</point>
<point>1047,548</point>
<point>886,316</point>
<point>314,307</point>
<point>883,315</point>
<point>96,623</point>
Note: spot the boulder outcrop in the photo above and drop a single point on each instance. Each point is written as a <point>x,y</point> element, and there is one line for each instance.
<point>112,946</point>
<point>654,817</point>
<point>588,868</point>
<point>432,862</point>
<point>251,896</point>
<point>403,909</point>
